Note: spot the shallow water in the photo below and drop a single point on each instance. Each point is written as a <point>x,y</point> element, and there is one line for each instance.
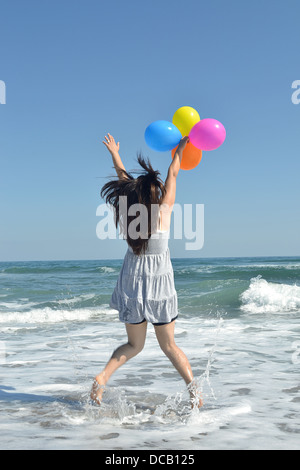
<point>239,330</point>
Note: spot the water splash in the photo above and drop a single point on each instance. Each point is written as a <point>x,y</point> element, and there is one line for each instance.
<point>268,297</point>
<point>177,405</point>
<point>204,379</point>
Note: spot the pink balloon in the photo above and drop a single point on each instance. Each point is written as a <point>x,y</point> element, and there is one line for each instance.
<point>207,134</point>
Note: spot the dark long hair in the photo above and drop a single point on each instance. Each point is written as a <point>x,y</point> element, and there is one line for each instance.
<point>147,189</point>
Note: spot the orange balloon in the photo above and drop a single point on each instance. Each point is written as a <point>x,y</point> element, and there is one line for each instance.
<point>191,157</point>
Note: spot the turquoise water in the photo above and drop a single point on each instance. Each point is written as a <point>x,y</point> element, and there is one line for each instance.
<point>239,325</point>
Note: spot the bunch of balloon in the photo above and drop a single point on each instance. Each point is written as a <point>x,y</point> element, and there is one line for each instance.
<point>207,134</point>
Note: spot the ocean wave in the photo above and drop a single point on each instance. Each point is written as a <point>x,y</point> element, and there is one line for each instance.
<point>76,299</point>
<point>49,315</point>
<point>68,302</point>
<point>277,272</point>
<point>267,297</point>
<point>38,269</point>
<point>106,269</point>
<point>50,268</point>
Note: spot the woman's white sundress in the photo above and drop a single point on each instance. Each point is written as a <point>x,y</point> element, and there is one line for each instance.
<point>145,287</point>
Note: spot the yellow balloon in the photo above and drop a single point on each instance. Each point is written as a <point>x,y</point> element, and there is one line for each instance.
<point>185,118</point>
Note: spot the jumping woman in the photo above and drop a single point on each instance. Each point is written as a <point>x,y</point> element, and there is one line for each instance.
<point>145,290</point>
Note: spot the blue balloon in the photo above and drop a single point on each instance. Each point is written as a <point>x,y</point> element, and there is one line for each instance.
<point>162,136</point>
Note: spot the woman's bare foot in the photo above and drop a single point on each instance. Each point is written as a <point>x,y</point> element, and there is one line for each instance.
<point>196,396</point>
<point>97,389</point>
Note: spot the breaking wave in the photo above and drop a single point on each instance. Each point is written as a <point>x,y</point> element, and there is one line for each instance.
<point>268,297</point>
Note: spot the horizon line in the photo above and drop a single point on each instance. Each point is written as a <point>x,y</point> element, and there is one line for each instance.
<point>121,259</point>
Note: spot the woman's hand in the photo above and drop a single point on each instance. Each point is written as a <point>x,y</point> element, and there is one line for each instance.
<point>110,143</point>
<point>182,144</point>
<point>175,167</point>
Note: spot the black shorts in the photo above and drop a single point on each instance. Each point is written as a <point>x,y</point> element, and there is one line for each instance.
<point>155,324</point>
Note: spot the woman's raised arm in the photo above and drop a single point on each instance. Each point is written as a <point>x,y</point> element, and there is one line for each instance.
<point>114,148</point>
<point>170,184</point>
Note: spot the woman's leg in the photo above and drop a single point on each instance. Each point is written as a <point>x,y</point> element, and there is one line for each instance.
<point>136,340</point>
<point>166,340</point>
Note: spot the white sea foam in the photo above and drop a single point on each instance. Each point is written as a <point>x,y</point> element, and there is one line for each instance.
<point>106,269</point>
<point>20,304</point>
<point>268,297</point>
<point>76,299</point>
<point>49,315</point>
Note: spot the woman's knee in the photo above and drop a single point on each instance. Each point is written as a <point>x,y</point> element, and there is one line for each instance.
<point>136,336</point>
<point>169,348</point>
<point>137,346</point>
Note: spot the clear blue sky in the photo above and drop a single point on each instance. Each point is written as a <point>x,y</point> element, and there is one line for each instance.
<point>75,70</point>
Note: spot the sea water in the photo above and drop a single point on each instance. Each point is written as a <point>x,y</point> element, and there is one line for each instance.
<point>239,325</point>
